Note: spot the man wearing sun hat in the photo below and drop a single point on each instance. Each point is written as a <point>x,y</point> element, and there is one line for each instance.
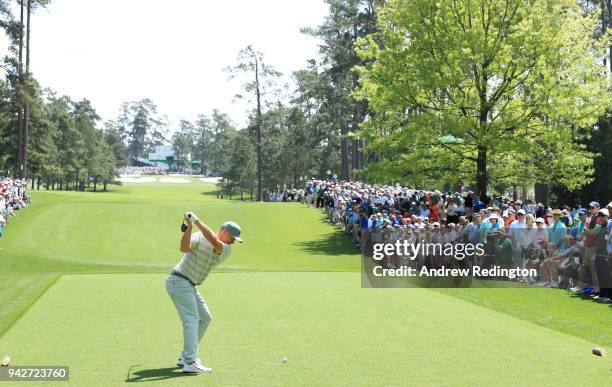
<point>203,250</point>
<point>557,231</point>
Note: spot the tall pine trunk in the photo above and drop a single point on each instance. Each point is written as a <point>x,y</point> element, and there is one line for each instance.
<point>20,169</point>
<point>344,173</point>
<point>258,131</point>
<point>356,121</point>
<point>26,107</point>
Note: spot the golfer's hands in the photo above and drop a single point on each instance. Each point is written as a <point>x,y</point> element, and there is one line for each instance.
<point>190,217</point>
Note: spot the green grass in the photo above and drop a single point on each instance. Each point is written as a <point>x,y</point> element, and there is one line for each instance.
<point>291,290</point>
<point>555,309</point>
<point>136,228</point>
<point>18,293</point>
<point>116,328</point>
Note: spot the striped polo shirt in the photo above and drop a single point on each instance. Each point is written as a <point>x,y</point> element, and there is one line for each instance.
<point>197,264</point>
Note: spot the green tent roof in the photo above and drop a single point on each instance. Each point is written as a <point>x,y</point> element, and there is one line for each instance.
<point>450,139</point>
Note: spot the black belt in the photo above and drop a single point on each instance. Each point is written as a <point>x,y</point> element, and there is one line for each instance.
<point>177,274</point>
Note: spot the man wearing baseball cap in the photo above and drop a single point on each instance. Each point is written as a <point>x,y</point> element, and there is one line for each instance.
<point>203,250</point>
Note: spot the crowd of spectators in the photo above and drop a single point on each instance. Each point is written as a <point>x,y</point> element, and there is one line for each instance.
<point>13,197</point>
<point>569,246</point>
<point>291,195</point>
<point>137,171</point>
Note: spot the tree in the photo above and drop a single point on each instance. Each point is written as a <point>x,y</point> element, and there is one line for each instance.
<point>183,143</point>
<point>503,80</point>
<point>348,20</point>
<point>85,118</point>
<point>115,156</point>
<point>24,109</point>
<point>42,150</point>
<point>117,146</point>
<point>141,127</point>
<point>240,170</point>
<point>204,143</point>
<point>250,63</point>
<point>70,143</point>
<point>222,130</point>
<point>602,9</point>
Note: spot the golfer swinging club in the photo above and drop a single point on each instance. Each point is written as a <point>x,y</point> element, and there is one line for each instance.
<point>202,250</point>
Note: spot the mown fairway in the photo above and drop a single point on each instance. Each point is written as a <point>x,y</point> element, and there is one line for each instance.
<point>138,227</point>
<point>291,290</point>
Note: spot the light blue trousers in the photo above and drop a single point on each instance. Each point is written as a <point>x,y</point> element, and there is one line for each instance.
<point>194,314</point>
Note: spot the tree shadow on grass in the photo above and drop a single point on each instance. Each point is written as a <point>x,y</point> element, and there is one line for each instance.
<point>334,243</point>
<point>226,198</point>
<point>154,374</point>
<point>214,193</point>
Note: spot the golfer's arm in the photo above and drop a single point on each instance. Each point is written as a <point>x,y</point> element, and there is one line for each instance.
<point>210,236</point>
<point>186,241</point>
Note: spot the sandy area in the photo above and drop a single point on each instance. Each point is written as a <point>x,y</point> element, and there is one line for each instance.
<point>213,180</point>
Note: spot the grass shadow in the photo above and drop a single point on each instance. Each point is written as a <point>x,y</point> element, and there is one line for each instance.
<point>334,243</point>
<point>154,374</point>
<point>587,297</point>
<point>210,193</point>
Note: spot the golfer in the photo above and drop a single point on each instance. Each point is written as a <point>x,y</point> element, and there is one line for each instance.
<point>202,250</point>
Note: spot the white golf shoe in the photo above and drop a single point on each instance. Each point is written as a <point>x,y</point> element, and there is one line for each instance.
<point>196,368</point>
<point>181,363</point>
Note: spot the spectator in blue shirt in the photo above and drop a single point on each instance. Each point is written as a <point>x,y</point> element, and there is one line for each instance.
<point>557,231</point>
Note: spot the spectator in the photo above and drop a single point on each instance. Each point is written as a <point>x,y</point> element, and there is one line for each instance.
<point>562,252</point>
<point>602,258</point>
<point>13,197</point>
<point>557,231</point>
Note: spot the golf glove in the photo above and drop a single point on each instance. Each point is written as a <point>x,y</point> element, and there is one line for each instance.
<point>191,216</point>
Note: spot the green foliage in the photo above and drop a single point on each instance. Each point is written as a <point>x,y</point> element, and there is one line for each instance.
<point>66,146</point>
<point>502,76</point>
<point>347,22</point>
<point>182,143</point>
<point>141,127</point>
<point>239,173</point>
<point>260,87</point>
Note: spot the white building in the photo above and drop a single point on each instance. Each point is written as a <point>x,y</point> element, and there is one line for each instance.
<point>162,152</point>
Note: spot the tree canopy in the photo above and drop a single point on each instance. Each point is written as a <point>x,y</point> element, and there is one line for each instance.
<point>499,75</point>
